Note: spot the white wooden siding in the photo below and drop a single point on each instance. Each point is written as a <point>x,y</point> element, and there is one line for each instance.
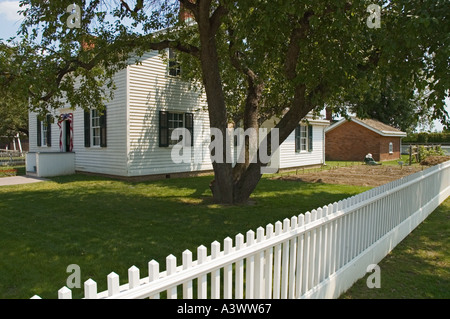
<point>151,90</point>
<point>109,160</point>
<point>290,158</point>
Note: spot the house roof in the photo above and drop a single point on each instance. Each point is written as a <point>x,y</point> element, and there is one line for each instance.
<point>373,125</point>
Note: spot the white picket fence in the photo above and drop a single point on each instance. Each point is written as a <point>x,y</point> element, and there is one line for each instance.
<point>319,254</point>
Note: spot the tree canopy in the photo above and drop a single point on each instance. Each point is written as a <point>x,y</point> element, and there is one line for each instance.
<point>254,59</point>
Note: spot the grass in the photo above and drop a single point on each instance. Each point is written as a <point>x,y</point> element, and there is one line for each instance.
<point>106,225</point>
<point>418,268</point>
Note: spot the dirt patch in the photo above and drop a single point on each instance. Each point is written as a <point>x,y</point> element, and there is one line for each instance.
<point>360,175</point>
<point>435,160</point>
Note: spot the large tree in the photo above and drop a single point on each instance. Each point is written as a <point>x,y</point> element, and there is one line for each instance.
<point>255,59</point>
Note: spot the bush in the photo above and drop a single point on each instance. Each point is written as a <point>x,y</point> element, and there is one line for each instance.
<point>427,138</point>
<point>7,171</point>
<point>435,151</point>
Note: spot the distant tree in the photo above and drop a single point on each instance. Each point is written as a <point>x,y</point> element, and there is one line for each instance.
<point>13,104</point>
<point>403,110</point>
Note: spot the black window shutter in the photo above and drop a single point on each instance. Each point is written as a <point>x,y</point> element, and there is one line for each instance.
<point>163,129</point>
<point>297,138</point>
<point>49,130</point>
<point>87,128</point>
<point>189,125</point>
<point>103,129</point>
<point>39,132</point>
<point>310,138</point>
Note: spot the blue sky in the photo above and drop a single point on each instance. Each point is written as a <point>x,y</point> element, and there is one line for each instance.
<point>9,18</point>
<point>10,21</point>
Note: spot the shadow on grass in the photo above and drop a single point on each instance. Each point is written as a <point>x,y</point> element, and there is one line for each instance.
<point>106,225</point>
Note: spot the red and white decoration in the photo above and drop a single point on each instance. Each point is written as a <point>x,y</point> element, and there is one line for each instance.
<point>69,118</point>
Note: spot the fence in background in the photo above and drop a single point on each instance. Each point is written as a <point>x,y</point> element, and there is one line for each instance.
<point>319,254</point>
<point>11,158</point>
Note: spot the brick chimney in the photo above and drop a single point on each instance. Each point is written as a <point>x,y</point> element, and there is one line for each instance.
<point>329,114</point>
<point>185,14</point>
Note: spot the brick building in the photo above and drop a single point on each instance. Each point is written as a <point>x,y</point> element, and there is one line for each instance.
<point>352,140</point>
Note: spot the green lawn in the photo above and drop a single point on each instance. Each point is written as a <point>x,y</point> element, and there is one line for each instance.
<point>418,268</point>
<point>106,225</point>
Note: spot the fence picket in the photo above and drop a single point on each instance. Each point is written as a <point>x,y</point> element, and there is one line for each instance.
<point>228,271</point>
<point>285,262</point>
<point>133,277</point>
<point>239,283</point>
<point>299,264</point>
<point>292,260</point>
<point>306,270</point>
<point>259,266</point>
<point>277,264</point>
<point>187,263</point>
<point>113,284</point>
<point>215,276</point>
<point>250,268</point>
<point>268,267</point>
<point>64,293</point>
<point>171,268</point>
<point>153,274</point>
<point>90,289</point>
<point>203,280</point>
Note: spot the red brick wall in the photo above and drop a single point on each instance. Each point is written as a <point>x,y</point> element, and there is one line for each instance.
<point>384,148</point>
<point>352,142</point>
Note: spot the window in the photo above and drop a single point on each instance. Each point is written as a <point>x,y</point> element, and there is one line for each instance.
<point>95,128</point>
<point>391,148</point>
<point>176,120</point>
<point>303,138</point>
<point>44,131</point>
<point>174,65</point>
<point>169,121</point>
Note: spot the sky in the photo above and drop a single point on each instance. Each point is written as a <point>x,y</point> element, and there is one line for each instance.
<point>10,21</point>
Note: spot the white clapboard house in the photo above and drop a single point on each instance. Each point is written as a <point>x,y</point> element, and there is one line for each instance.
<point>132,137</point>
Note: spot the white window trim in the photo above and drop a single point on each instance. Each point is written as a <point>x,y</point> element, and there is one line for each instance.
<point>170,130</point>
<point>92,127</point>
<point>43,133</point>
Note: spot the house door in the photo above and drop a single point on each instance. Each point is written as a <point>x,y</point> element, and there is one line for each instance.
<point>66,133</point>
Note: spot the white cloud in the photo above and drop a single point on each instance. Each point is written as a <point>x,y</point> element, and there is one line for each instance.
<point>8,10</point>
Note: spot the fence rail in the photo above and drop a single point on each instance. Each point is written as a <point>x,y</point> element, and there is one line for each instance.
<point>319,254</point>
<point>11,158</point>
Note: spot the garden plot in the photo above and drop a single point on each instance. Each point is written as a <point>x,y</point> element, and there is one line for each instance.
<point>359,175</point>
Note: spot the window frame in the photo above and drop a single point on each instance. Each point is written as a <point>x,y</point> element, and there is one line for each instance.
<point>303,138</point>
<point>165,129</point>
<point>101,129</point>
<point>44,131</point>
<point>173,65</point>
<point>95,131</point>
